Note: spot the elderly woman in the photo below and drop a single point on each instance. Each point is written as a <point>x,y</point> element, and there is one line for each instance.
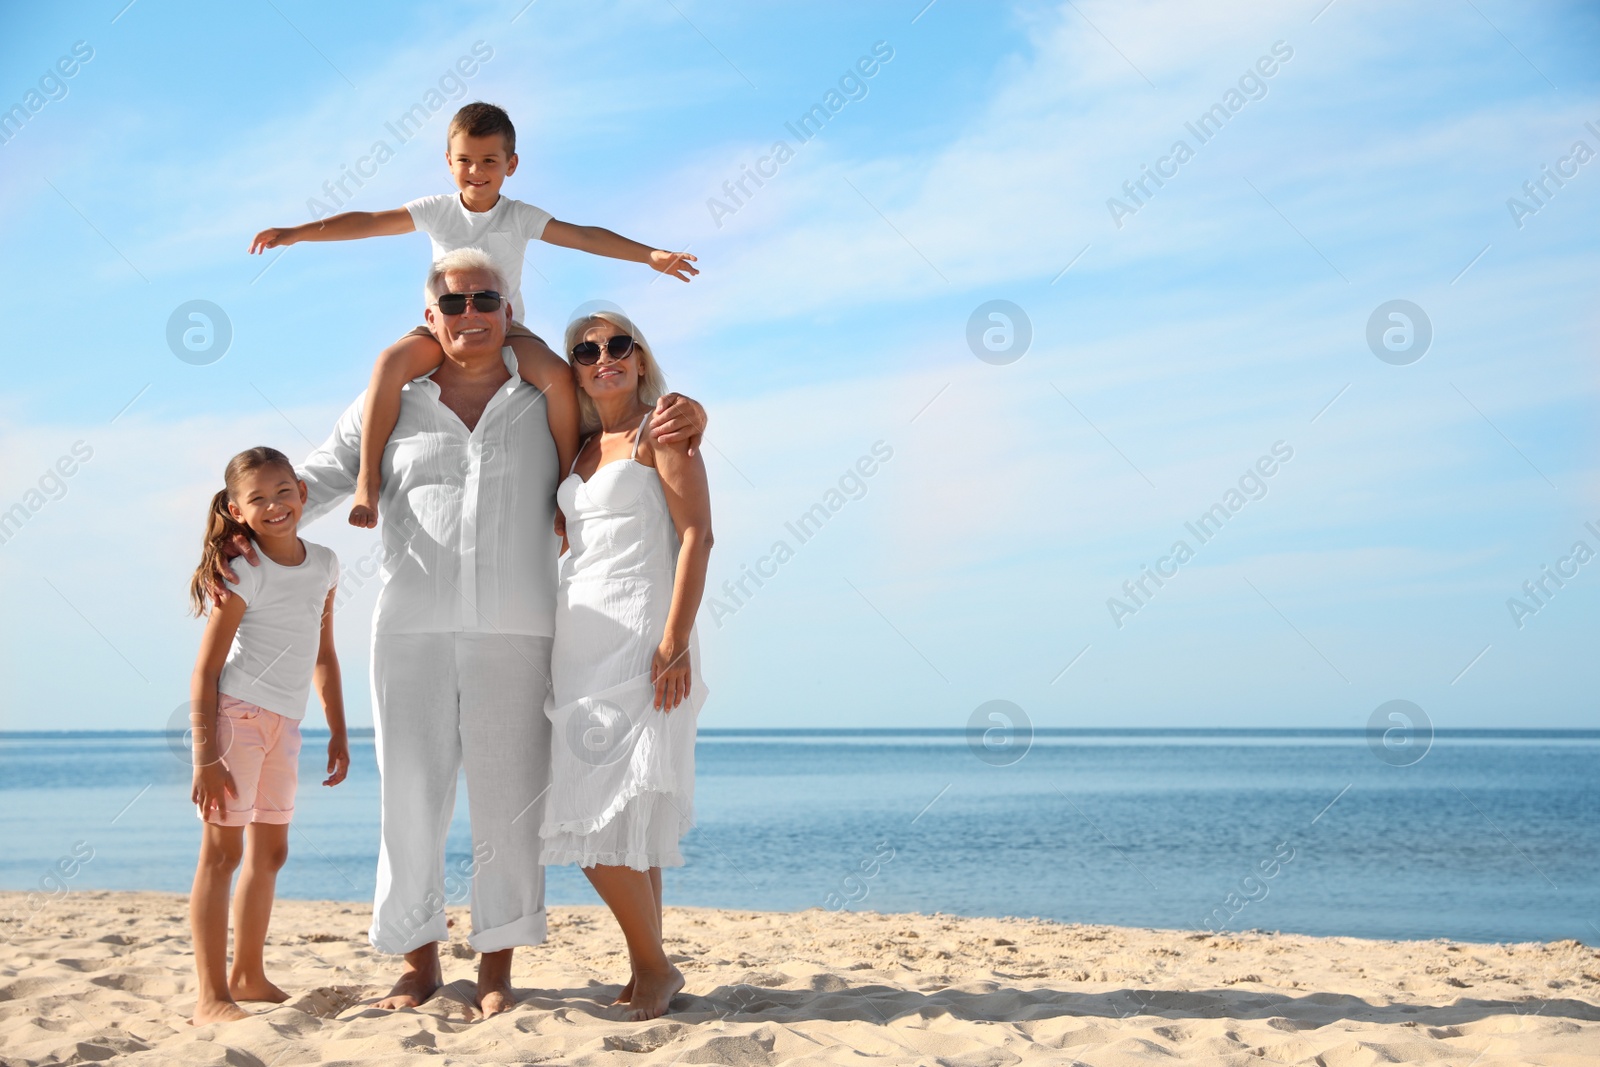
<point>625,685</point>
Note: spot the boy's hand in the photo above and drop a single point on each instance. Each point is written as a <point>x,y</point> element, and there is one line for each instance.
<point>678,264</point>
<point>338,759</point>
<point>678,418</point>
<point>272,238</point>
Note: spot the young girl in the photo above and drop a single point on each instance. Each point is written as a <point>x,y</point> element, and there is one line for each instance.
<point>262,649</point>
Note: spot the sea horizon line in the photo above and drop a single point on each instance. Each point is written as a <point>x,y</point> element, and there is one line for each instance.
<point>868,732</point>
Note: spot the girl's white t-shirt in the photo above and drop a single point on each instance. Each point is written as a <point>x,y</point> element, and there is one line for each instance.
<point>503,232</point>
<point>275,649</point>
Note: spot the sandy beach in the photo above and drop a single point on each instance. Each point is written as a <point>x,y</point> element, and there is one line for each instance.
<point>100,976</point>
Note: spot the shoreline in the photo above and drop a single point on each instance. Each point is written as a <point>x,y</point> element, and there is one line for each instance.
<point>9,899</point>
<point>101,973</point>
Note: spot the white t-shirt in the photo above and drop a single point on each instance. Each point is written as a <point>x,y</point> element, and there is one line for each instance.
<point>503,231</point>
<point>275,648</point>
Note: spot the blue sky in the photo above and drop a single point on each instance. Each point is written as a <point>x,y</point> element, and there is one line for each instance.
<point>1228,313</point>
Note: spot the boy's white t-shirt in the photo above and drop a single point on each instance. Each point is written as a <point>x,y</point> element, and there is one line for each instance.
<point>275,649</point>
<point>503,231</point>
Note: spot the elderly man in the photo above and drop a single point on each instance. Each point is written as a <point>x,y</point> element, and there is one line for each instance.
<point>463,627</point>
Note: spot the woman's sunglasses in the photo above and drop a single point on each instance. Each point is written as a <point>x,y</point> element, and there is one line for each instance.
<point>456,303</point>
<point>588,353</point>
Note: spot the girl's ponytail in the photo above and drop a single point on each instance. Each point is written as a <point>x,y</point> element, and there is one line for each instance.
<point>221,527</point>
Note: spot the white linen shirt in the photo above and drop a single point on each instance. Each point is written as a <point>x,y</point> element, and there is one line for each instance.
<point>465,517</point>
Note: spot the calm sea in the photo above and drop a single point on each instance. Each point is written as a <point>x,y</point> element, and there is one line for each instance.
<point>1491,836</point>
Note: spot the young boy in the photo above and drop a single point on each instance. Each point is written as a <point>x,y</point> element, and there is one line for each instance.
<point>481,153</point>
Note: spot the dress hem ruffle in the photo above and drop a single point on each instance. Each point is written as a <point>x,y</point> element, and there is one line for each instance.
<point>639,861</point>
<point>647,834</point>
<point>664,781</point>
<point>615,808</point>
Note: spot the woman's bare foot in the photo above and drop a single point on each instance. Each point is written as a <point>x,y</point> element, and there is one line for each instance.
<point>495,994</point>
<point>256,988</point>
<point>419,981</point>
<point>626,996</point>
<point>653,992</point>
<point>217,1011</point>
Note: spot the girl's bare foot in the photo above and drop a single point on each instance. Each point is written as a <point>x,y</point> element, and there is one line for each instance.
<point>653,992</point>
<point>626,996</point>
<point>217,1011</point>
<point>258,988</point>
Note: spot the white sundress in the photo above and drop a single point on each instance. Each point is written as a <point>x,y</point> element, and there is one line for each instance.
<point>621,772</point>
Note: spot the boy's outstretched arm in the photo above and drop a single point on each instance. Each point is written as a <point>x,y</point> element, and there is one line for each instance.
<point>347,226</point>
<point>599,241</point>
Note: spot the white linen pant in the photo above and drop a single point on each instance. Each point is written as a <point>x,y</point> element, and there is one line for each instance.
<point>442,702</point>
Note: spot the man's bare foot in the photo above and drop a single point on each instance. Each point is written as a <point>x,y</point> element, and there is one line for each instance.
<point>495,994</point>
<point>652,993</point>
<point>217,1011</point>
<point>496,998</point>
<point>412,990</point>
<point>256,989</point>
<point>626,996</point>
<point>419,981</point>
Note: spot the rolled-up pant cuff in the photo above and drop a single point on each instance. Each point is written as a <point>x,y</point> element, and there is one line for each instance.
<point>398,943</point>
<point>528,930</point>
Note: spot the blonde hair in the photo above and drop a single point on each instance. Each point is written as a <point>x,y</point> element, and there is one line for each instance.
<point>652,383</point>
<point>221,526</point>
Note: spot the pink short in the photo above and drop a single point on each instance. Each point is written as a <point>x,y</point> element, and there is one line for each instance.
<point>261,750</point>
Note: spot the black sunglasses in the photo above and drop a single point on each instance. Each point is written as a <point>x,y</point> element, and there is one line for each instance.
<point>456,303</point>
<point>588,352</point>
